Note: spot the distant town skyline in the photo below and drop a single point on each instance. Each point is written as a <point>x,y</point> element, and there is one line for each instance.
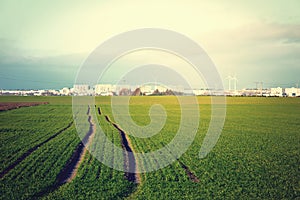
<point>43,44</point>
<point>154,89</point>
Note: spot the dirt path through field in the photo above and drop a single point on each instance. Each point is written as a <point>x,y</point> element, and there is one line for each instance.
<point>68,173</point>
<point>130,163</point>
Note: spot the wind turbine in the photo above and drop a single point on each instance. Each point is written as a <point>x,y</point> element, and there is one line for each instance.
<point>229,82</point>
<point>235,80</point>
<point>256,87</point>
<point>261,88</point>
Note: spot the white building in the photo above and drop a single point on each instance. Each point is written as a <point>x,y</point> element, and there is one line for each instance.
<point>276,92</point>
<point>65,91</point>
<point>104,89</point>
<point>55,92</point>
<point>198,92</point>
<point>146,89</point>
<point>81,89</point>
<point>292,92</point>
<point>39,92</point>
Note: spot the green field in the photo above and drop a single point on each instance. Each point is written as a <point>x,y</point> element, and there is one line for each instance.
<point>257,155</point>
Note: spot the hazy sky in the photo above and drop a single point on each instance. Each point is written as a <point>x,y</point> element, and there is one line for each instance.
<point>43,43</point>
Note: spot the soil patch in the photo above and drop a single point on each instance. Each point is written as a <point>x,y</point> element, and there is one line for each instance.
<point>14,105</point>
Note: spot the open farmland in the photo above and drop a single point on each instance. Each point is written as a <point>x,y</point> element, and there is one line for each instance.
<point>256,157</point>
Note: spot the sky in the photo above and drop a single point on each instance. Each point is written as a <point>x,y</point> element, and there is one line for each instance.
<point>44,43</point>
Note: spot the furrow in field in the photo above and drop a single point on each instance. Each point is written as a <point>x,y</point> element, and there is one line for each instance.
<point>69,172</point>
<point>130,163</point>
<point>128,148</point>
<point>99,111</point>
<point>192,177</point>
<point>30,151</point>
<point>189,173</point>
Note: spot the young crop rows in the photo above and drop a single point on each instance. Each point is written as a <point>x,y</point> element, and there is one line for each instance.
<point>256,157</point>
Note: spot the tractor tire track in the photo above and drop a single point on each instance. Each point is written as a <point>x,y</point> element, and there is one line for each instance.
<point>69,172</point>
<point>31,150</point>
<point>189,173</point>
<point>130,163</point>
<point>99,111</point>
<point>129,159</point>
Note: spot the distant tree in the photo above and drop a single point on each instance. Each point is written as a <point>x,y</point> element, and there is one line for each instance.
<point>137,92</point>
<point>156,92</point>
<point>168,92</point>
<point>124,92</point>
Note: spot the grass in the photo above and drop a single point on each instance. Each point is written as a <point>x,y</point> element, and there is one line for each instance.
<point>256,157</point>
